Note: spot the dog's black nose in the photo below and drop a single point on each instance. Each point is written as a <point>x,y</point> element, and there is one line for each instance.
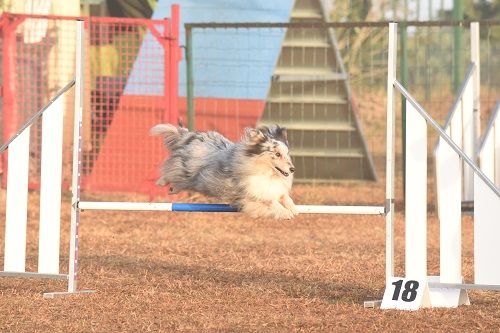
<point>292,170</point>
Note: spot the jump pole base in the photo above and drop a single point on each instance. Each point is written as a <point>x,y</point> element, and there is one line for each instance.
<point>58,294</point>
<point>372,304</point>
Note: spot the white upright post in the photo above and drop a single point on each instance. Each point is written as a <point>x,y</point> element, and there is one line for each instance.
<point>77,165</point>
<point>77,153</point>
<point>468,138</point>
<point>476,83</point>
<point>50,188</point>
<point>496,146</point>
<point>390,151</point>
<point>471,113</point>
<point>17,203</point>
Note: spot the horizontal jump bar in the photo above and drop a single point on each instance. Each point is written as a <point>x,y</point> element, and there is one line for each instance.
<point>468,286</point>
<point>34,275</point>
<point>189,207</point>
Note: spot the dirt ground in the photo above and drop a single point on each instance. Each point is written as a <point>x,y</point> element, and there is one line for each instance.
<point>224,272</point>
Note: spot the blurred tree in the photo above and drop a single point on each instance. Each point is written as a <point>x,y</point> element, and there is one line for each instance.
<point>482,10</point>
<point>475,10</point>
<point>130,8</point>
<point>356,44</point>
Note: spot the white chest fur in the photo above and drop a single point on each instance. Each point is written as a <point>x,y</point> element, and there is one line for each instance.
<point>267,187</point>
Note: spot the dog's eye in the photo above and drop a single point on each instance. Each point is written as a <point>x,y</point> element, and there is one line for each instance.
<point>278,155</point>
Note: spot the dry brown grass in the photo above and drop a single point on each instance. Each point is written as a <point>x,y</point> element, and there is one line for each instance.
<point>226,272</point>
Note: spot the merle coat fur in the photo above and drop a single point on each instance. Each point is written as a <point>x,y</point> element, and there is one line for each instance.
<point>255,174</point>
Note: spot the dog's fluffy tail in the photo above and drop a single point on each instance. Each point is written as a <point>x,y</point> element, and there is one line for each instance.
<point>171,134</point>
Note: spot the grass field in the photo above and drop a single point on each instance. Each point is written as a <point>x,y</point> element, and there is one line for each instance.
<point>229,273</point>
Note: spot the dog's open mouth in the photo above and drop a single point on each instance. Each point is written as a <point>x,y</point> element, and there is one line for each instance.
<point>282,172</point>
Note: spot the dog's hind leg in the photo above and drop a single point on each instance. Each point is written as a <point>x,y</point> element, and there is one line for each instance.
<point>171,174</point>
<point>162,181</point>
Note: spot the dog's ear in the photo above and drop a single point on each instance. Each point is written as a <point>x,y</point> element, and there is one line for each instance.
<point>280,133</point>
<point>254,135</point>
<point>265,130</point>
<point>276,132</point>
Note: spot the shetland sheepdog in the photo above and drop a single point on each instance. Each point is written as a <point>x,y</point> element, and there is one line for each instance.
<point>254,174</point>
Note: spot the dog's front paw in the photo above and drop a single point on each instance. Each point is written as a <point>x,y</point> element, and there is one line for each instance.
<point>287,202</point>
<point>284,214</point>
<point>294,210</point>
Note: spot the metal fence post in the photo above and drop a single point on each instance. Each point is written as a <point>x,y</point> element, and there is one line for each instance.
<point>174,65</point>
<point>476,82</point>
<point>189,77</point>
<point>458,57</point>
<point>404,81</point>
<point>77,158</point>
<point>166,69</point>
<point>390,153</point>
<point>8,87</point>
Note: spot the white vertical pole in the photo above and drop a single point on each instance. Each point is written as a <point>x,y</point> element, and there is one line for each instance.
<point>77,154</point>
<point>50,188</point>
<point>416,194</point>
<point>471,104</point>
<point>496,147</point>
<point>390,152</point>
<point>475,59</point>
<point>17,203</point>
<point>468,139</point>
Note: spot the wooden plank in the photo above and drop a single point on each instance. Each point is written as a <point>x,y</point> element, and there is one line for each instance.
<point>449,192</point>
<point>313,125</point>
<point>334,153</point>
<point>50,189</point>
<point>486,231</point>
<point>308,99</point>
<point>17,203</point>
<point>489,151</point>
<point>416,194</point>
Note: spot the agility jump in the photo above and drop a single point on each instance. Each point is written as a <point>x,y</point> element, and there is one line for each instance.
<point>448,289</point>
<point>50,194</point>
<point>486,195</point>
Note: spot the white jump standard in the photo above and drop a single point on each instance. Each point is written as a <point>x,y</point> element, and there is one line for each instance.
<point>416,289</point>
<point>50,203</point>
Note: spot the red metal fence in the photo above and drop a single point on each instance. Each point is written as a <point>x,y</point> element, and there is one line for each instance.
<point>131,84</point>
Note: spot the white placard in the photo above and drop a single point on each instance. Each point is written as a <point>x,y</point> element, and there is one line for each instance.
<point>406,294</point>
